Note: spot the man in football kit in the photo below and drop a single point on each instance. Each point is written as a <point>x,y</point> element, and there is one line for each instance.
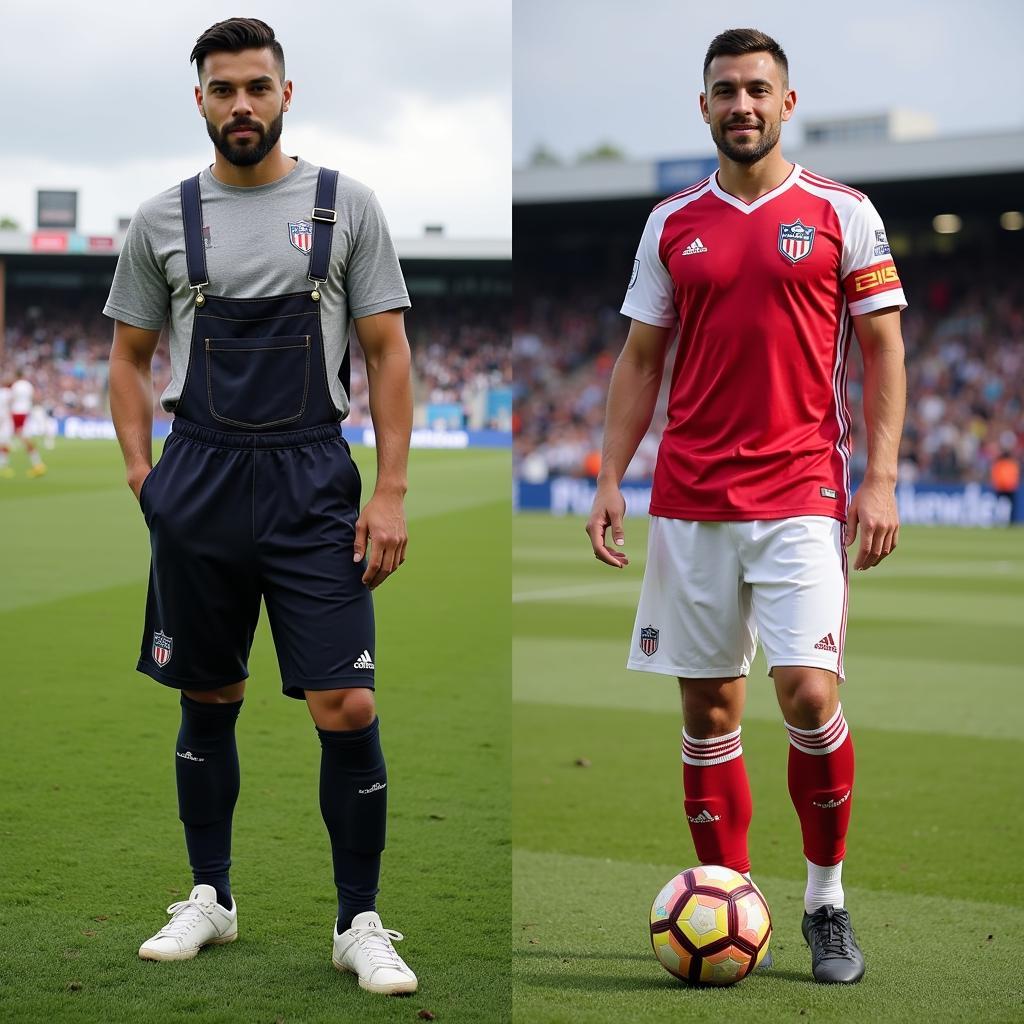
<point>764,269</point>
<point>261,263</point>
<point>16,402</point>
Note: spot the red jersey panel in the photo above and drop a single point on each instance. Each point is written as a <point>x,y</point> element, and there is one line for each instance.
<point>763,295</point>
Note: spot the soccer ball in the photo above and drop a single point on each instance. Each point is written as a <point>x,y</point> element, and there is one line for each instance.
<point>710,925</point>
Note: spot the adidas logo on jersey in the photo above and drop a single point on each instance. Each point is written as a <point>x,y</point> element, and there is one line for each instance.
<point>833,803</point>
<point>694,247</point>
<point>705,817</point>
<point>826,643</point>
<point>363,661</point>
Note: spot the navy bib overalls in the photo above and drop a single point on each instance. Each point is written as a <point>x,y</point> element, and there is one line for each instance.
<point>256,494</point>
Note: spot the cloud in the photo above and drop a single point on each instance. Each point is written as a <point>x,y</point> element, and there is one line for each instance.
<point>100,99</point>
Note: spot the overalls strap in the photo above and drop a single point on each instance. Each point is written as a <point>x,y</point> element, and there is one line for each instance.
<point>323,218</point>
<point>192,218</point>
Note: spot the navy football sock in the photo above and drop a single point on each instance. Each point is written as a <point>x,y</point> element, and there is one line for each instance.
<point>206,767</point>
<point>353,801</point>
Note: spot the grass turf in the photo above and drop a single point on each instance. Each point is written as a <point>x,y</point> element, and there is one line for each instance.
<point>91,851</point>
<point>931,874</point>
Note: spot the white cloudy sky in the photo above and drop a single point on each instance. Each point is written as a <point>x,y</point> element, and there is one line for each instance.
<point>411,97</point>
<point>630,73</point>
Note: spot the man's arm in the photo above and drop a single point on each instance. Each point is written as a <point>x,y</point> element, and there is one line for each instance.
<point>632,396</point>
<point>388,375</point>
<point>885,399</point>
<point>131,398</point>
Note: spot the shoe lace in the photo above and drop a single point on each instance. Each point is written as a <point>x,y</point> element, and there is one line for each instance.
<point>185,915</point>
<point>832,933</point>
<point>376,944</point>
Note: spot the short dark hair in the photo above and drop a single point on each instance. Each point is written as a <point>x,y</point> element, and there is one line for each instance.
<point>734,42</point>
<point>235,35</point>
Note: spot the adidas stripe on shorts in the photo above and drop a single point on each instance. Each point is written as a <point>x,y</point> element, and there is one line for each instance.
<point>712,590</point>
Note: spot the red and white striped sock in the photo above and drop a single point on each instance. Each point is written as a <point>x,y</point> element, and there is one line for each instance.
<point>821,786</point>
<point>717,799</point>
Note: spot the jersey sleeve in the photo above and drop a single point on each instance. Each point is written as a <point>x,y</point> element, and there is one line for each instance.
<point>139,294</point>
<point>650,296</point>
<point>373,277</point>
<point>868,273</point>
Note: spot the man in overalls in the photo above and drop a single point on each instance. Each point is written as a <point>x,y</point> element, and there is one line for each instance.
<point>260,264</point>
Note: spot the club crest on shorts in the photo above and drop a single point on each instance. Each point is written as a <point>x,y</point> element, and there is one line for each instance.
<point>795,241</point>
<point>300,234</point>
<point>648,640</point>
<point>163,646</point>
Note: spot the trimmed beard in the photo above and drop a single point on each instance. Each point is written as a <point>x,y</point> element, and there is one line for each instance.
<point>252,153</point>
<point>743,155</point>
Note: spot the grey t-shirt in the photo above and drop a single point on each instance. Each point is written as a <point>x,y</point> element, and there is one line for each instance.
<point>250,254</point>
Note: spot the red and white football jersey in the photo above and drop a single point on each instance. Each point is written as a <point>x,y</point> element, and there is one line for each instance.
<point>763,294</point>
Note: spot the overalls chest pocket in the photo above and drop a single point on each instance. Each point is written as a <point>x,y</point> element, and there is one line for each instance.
<point>257,382</point>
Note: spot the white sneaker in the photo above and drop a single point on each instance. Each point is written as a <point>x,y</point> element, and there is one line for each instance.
<point>365,949</point>
<point>196,922</point>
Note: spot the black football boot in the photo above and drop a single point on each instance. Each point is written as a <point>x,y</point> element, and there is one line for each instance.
<point>835,955</point>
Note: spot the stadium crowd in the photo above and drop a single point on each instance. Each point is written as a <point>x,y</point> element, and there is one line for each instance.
<point>964,337</point>
<point>459,355</point>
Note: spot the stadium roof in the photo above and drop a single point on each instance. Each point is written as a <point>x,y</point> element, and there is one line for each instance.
<point>861,162</point>
<point>51,242</point>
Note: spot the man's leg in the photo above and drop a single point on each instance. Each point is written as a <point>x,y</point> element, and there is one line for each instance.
<point>715,785</point>
<point>353,793</point>
<point>820,775</point>
<point>353,801</point>
<point>821,786</point>
<point>206,769</point>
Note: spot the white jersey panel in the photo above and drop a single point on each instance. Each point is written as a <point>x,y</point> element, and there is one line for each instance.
<point>21,397</point>
<point>650,297</point>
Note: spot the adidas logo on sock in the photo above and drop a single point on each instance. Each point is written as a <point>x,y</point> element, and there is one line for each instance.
<point>705,817</point>
<point>826,643</point>
<point>363,661</point>
<point>694,247</point>
<point>189,756</point>
<point>833,803</point>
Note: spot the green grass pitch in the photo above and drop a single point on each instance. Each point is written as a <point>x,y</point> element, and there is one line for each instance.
<point>91,850</point>
<point>933,872</point>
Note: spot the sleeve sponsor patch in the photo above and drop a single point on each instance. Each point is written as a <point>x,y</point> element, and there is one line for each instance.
<point>862,284</point>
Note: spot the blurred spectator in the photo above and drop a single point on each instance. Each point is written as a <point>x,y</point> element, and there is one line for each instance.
<point>1006,480</point>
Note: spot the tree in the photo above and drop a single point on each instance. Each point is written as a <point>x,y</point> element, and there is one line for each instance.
<point>8,223</point>
<point>543,157</point>
<point>602,151</point>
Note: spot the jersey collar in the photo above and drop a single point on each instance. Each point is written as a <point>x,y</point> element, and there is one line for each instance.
<point>757,203</point>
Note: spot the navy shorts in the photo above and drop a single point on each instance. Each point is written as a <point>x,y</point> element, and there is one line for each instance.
<point>235,518</point>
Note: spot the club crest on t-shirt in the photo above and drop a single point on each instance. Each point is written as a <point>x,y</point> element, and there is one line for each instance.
<point>300,234</point>
<point>795,241</point>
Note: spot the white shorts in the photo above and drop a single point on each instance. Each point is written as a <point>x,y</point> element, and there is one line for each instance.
<point>6,429</point>
<point>712,589</point>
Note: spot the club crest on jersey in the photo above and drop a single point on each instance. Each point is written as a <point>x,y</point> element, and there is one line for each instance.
<point>795,241</point>
<point>163,646</point>
<point>648,640</point>
<point>300,233</point>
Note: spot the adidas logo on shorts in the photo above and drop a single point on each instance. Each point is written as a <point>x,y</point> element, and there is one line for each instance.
<point>363,661</point>
<point>826,643</point>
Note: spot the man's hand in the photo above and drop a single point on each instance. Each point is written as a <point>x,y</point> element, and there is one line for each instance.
<point>137,477</point>
<point>874,509</point>
<point>609,508</point>
<point>382,522</point>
